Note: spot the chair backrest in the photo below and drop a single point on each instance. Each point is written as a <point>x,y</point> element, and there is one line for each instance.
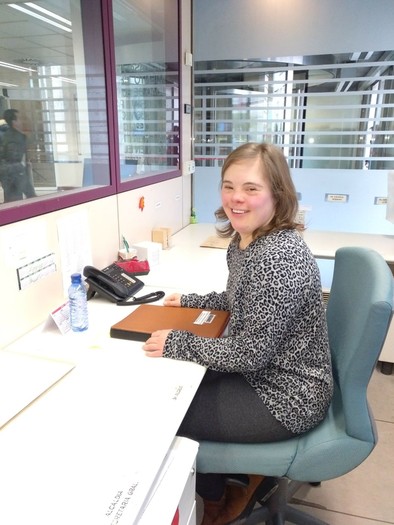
<point>359,311</point>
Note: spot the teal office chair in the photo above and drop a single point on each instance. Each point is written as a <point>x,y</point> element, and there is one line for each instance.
<point>358,314</point>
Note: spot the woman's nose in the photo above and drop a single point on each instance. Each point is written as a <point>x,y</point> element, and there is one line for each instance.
<point>238,195</point>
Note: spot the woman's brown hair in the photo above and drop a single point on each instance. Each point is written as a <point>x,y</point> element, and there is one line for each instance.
<point>275,170</point>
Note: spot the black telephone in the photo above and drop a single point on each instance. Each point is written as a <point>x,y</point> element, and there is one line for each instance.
<point>118,286</point>
<point>111,282</point>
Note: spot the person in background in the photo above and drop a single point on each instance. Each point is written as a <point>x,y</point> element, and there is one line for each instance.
<point>3,128</point>
<point>270,378</point>
<point>14,173</point>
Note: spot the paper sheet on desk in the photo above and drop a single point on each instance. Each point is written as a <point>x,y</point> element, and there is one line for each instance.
<point>23,378</point>
<point>216,242</point>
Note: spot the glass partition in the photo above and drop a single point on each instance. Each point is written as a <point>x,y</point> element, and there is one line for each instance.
<point>147,82</point>
<point>325,111</point>
<point>54,132</point>
<point>82,134</point>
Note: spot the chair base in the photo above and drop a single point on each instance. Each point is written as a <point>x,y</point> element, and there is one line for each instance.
<point>276,509</point>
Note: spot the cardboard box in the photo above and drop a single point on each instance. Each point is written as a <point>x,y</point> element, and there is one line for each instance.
<point>162,236</point>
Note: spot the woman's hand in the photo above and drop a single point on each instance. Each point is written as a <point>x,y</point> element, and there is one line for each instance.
<point>154,346</point>
<point>172,300</point>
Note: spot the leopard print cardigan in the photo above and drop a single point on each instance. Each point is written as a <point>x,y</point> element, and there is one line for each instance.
<point>277,335</point>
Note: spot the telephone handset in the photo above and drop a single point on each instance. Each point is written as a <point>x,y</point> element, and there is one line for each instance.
<point>112,282</point>
<point>118,286</point>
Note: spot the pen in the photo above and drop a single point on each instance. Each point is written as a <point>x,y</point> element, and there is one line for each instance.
<point>126,244</point>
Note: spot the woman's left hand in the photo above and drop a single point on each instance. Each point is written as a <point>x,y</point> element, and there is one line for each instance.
<point>155,344</point>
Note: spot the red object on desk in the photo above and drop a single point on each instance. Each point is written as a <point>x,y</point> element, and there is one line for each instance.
<point>175,521</point>
<point>134,266</point>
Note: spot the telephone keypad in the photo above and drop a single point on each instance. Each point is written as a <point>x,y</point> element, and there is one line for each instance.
<point>115,272</point>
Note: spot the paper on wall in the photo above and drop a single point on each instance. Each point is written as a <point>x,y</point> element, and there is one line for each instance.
<point>24,242</point>
<point>390,197</point>
<point>74,243</point>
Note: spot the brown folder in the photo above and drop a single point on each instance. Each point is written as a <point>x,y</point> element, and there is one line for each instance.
<point>147,318</point>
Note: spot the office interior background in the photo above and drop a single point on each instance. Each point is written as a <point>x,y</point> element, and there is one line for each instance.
<point>116,97</point>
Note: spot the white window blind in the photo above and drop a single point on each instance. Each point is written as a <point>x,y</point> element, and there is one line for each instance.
<point>326,112</point>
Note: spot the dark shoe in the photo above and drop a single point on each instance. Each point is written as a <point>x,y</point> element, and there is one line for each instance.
<point>239,501</point>
<point>212,510</point>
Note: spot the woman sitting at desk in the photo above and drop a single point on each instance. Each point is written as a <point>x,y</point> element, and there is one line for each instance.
<point>271,378</point>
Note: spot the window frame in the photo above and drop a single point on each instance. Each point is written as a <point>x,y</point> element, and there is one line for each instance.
<point>26,209</point>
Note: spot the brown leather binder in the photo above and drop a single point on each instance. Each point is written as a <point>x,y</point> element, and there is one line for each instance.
<point>147,318</point>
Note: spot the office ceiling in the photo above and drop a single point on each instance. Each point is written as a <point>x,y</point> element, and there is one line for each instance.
<point>334,72</point>
<point>28,42</point>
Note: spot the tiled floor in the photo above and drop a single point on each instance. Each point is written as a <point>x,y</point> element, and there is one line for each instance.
<point>365,496</point>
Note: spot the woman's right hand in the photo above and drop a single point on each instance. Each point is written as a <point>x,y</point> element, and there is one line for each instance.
<point>172,300</point>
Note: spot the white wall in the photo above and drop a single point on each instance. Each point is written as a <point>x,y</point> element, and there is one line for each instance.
<point>186,95</point>
<point>167,204</point>
<point>163,208</point>
<point>253,29</point>
<point>358,215</point>
<point>22,310</point>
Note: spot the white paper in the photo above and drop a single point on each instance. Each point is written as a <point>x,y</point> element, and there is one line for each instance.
<point>23,243</point>
<point>61,317</point>
<point>74,243</point>
<point>23,378</point>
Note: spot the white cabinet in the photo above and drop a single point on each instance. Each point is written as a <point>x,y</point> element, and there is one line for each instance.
<point>174,487</point>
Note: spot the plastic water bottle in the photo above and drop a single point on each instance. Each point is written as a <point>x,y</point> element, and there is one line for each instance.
<point>78,304</point>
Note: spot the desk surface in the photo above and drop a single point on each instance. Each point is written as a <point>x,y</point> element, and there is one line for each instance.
<point>96,440</point>
<point>188,267</point>
<point>324,244</point>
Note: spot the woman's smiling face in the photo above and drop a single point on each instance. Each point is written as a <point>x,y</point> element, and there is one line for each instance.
<point>247,198</point>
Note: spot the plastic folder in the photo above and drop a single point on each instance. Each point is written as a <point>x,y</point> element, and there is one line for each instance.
<point>147,318</point>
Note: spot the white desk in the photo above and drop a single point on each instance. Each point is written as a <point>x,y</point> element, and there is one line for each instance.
<point>324,244</point>
<point>98,438</point>
<point>187,265</point>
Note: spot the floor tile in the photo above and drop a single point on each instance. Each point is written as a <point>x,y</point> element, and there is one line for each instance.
<point>381,396</point>
<point>335,518</point>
